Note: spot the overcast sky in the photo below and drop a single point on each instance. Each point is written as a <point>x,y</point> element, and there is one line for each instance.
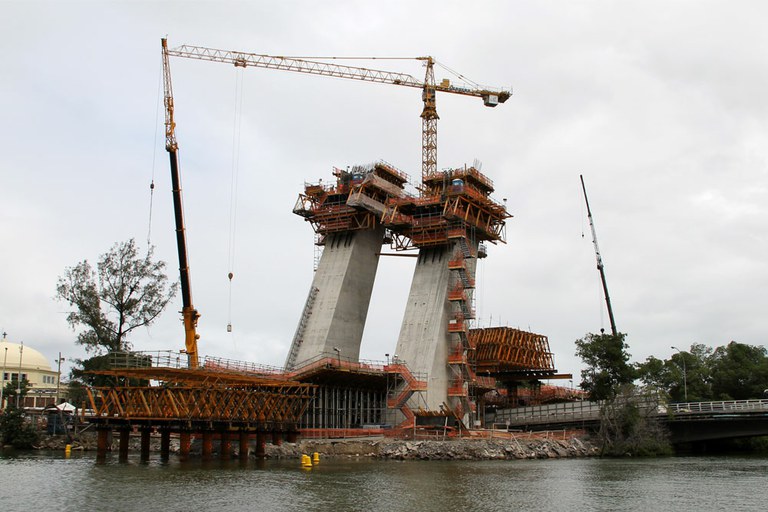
<point>661,105</point>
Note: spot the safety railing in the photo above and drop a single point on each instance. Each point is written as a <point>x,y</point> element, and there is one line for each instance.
<point>233,365</point>
<point>148,359</point>
<point>721,406</point>
<point>567,411</point>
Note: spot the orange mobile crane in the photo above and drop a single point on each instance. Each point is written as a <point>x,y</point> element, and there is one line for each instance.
<point>429,116</point>
<point>189,313</point>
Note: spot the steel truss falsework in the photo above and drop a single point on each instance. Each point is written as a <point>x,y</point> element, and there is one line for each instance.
<point>273,407</point>
<point>158,389</point>
<point>155,387</point>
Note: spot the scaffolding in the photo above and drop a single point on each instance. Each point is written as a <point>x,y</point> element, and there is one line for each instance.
<point>355,201</point>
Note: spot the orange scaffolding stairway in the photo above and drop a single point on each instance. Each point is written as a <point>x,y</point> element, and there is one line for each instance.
<point>410,386</point>
<point>461,358</point>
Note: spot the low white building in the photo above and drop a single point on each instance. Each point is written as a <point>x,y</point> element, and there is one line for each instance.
<point>17,358</point>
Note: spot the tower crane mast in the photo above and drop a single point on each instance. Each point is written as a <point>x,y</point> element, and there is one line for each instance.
<point>315,66</point>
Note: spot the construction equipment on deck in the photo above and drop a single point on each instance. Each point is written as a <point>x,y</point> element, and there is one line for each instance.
<point>429,88</point>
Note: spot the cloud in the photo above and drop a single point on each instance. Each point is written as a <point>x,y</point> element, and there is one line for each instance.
<point>659,105</point>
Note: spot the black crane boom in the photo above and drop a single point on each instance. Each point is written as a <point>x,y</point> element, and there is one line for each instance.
<point>599,259</point>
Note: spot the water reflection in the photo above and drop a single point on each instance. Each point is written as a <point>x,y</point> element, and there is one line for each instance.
<point>676,483</point>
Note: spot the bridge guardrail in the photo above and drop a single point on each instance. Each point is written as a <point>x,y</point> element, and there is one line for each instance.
<point>720,406</point>
<point>564,412</point>
<point>587,411</point>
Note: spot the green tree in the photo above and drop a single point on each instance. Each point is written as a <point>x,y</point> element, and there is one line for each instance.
<point>685,376</point>
<point>607,368</point>
<point>14,428</point>
<point>739,371</point>
<point>654,373</point>
<point>125,292</point>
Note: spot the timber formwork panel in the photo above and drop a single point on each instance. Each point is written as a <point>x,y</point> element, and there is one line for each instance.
<point>504,348</point>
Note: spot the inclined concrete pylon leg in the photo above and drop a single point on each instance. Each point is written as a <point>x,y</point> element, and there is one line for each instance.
<point>343,283</point>
<point>424,342</point>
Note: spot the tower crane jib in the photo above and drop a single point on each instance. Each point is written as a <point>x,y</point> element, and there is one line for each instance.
<point>315,66</point>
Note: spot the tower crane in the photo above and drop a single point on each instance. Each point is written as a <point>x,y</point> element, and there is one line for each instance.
<point>315,66</point>
<point>429,117</point>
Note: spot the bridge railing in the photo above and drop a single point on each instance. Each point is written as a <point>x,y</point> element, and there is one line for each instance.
<point>721,406</point>
<point>565,412</point>
<point>585,411</point>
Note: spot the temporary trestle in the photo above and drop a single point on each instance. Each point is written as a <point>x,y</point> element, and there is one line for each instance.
<point>157,392</point>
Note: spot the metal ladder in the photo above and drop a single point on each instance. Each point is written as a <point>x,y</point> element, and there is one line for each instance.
<point>298,336</point>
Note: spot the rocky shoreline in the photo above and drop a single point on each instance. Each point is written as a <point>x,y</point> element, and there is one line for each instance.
<point>452,449</point>
<point>386,448</point>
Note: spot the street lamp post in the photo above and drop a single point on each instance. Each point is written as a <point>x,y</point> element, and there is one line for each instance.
<point>338,354</point>
<point>58,377</point>
<point>2,388</point>
<point>685,378</point>
<point>18,391</point>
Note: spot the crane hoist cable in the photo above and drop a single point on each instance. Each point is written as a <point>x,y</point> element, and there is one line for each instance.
<point>236,138</point>
<point>154,158</point>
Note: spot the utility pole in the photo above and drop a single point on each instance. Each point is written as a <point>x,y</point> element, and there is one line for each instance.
<point>2,388</point>
<point>58,377</point>
<point>18,381</point>
<point>599,260</point>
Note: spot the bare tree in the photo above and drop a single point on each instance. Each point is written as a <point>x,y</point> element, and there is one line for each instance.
<point>126,291</point>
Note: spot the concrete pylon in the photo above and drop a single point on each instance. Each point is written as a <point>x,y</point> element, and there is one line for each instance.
<point>335,316</point>
<point>424,342</point>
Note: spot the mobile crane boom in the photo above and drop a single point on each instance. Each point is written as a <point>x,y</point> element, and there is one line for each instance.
<point>189,314</point>
<point>600,267</point>
<point>429,116</point>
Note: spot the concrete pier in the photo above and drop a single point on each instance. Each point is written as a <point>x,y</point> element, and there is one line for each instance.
<point>343,282</point>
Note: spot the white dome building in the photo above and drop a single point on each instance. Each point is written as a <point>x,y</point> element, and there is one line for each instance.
<point>33,366</point>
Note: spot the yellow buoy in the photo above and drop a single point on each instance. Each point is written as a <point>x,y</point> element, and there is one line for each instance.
<point>306,462</point>
<point>315,458</point>
<point>68,450</point>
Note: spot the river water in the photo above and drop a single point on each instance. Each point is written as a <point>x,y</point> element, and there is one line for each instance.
<point>40,481</point>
